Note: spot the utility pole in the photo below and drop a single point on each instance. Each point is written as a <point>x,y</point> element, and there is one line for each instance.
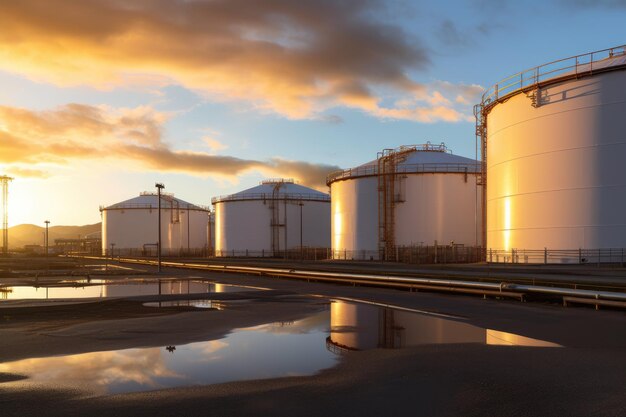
<point>159,187</point>
<point>4,180</point>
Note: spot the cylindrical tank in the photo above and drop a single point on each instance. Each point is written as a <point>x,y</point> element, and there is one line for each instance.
<point>130,227</point>
<point>411,196</point>
<point>555,151</point>
<point>265,220</point>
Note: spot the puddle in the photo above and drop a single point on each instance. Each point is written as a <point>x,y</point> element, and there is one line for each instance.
<point>301,347</point>
<point>210,304</point>
<point>96,288</point>
<point>361,326</point>
<point>267,351</point>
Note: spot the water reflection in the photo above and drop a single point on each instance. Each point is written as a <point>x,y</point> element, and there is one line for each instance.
<point>272,350</point>
<point>104,289</point>
<point>209,304</point>
<point>361,326</point>
<point>278,349</point>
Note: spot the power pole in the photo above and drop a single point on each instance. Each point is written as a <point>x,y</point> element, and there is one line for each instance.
<point>5,213</point>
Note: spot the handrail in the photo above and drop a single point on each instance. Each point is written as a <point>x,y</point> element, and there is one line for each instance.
<point>121,206</point>
<point>369,170</point>
<point>575,65</point>
<point>270,196</point>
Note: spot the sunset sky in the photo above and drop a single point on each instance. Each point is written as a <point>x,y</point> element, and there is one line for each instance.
<point>100,99</point>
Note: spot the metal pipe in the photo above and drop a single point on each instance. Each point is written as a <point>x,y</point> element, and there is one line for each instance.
<point>493,288</point>
<point>604,295</point>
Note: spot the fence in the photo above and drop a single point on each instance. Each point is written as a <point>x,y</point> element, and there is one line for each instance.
<point>572,67</point>
<point>151,251</point>
<point>306,253</point>
<point>419,254</point>
<point>557,256</point>
<point>370,170</point>
<point>440,254</point>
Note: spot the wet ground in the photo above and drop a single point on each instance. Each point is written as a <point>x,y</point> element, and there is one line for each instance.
<point>279,347</point>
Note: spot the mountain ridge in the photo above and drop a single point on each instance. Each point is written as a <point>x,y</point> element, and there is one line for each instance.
<point>31,234</point>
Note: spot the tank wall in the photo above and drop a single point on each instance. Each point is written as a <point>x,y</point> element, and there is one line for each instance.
<point>241,225</point>
<point>315,224</point>
<point>354,216</point>
<point>556,176</point>
<point>246,226</point>
<point>132,228</point>
<point>438,208</point>
<point>193,223</point>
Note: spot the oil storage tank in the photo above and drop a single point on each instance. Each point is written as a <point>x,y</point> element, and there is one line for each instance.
<point>553,144</point>
<point>130,227</point>
<point>412,196</point>
<point>271,219</point>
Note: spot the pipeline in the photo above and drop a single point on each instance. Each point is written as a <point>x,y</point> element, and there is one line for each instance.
<point>503,288</point>
<point>598,295</point>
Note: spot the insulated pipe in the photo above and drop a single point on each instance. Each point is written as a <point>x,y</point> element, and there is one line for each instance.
<point>519,288</point>
<point>600,295</point>
<point>608,295</point>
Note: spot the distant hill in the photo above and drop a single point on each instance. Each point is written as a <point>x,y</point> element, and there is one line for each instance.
<point>30,234</point>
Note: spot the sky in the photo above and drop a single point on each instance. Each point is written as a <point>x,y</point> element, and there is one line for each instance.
<point>100,99</point>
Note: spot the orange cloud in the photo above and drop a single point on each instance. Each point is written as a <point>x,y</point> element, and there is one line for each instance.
<point>295,58</point>
<point>77,132</point>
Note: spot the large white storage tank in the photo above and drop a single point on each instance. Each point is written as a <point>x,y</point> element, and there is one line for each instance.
<point>410,196</point>
<point>130,227</point>
<point>555,150</point>
<point>265,220</point>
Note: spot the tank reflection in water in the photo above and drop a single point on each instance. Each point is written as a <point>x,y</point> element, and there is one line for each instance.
<point>106,289</point>
<point>301,347</point>
<point>361,326</point>
<point>268,351</point>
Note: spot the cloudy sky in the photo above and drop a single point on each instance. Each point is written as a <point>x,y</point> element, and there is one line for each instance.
<point>100,99</point>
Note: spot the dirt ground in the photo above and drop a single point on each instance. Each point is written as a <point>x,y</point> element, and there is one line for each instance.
<point>583,378</point>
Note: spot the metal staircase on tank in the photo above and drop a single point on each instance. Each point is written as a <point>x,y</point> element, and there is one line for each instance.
<point>275,224</point>
<point>480,112</point>
<point>388,160</point>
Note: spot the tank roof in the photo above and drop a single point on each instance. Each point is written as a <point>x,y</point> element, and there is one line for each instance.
<point>149,200</point>
<point>275,189</point>
<point>426,158</point>
<point>568,68</point>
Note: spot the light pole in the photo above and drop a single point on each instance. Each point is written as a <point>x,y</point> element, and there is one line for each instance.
<point>159,187</point>
<point>188,227</point>
<point>301,248</point>
<point>47,222</point>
